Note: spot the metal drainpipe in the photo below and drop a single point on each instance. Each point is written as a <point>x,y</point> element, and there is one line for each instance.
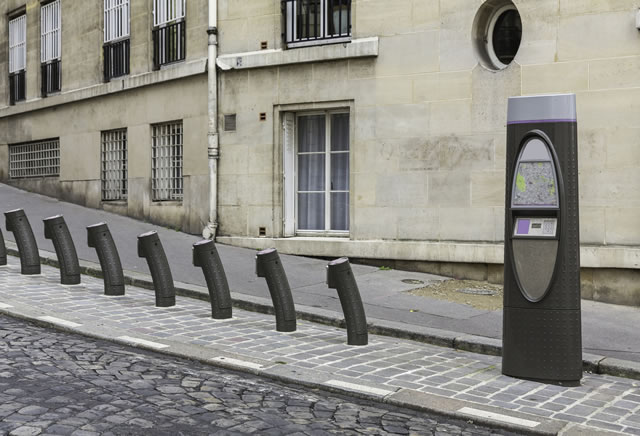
<point>209,231</point>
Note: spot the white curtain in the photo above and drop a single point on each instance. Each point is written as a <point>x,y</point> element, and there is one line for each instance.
<point>311,172</point>
<point>340,172</point>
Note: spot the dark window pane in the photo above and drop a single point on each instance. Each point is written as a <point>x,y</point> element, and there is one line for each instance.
<point>339,132</point>
<point>309,16</point>
<point>311,133</point>
<point>311,172</point>
<point>311,211</point>
<point>506,36</point>
<point>340,211</point>
<point>340,171</point>
<point>338,16</point>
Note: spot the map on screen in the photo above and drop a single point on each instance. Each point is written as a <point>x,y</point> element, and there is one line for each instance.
<point>535,185</point>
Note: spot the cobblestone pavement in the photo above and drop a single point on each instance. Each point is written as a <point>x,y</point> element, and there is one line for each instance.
<point>387,364</point>
<point>63,384</point>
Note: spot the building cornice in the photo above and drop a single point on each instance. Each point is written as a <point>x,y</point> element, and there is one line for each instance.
<point>357,48</point>
<point>173,72</point>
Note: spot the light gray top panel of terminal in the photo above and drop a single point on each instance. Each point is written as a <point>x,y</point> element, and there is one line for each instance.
<point>542,108</point>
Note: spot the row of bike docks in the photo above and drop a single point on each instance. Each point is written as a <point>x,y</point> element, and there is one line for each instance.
<point>205,256</point>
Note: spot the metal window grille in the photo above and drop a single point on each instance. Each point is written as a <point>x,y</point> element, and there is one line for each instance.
<point>17,44</point>
<point>230,123</point>
<point>116,59</point>
<point>310,22</point>
<point>116,19</point>
<point>114,165</point>
<point>166,161</point>
<point>17,86</point>
<point>166,11</point>
<point>34,159</point>
<point>169,43</point>
<point>50,32</point>
<point>51,76</point>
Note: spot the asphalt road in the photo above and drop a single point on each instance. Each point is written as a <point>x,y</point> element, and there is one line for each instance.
<point>64,384</point>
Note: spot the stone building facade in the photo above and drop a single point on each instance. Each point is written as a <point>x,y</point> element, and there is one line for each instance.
<point>88,118</point>
<point>372,129</point>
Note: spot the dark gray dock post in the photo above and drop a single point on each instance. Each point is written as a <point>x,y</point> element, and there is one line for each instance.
<point>55,229</point>
<point>340,277</point>
<point>18,223</point>
<point>99,237</point>
<point>268,265</point>
<point>3,250</point>
<point>150,247</point>
<point>206,257</point>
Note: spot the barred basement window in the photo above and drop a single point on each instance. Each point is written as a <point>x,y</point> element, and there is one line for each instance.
<point>34,159</point>
<point>166,161</point>
<point>114,165</point>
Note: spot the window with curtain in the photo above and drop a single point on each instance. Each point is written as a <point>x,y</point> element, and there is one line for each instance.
<point>310,22</point>
<point>322,172</point>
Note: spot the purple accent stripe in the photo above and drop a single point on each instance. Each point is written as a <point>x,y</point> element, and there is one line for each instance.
<point>566,120</point>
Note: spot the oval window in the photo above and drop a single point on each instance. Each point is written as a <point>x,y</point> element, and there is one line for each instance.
<point>497,33</point>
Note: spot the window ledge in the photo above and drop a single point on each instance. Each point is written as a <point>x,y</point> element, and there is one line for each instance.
<point>119,84</point>
<point>357,48</point>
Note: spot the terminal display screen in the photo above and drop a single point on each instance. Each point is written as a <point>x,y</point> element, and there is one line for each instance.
<point>535,182</point>
<point>536,227</point>
<point>535,185</point>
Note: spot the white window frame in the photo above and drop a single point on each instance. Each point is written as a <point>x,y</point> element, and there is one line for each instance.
<point>18,44</point>
<point>167,161</point>
<point>168,11</point>
<point>114,165</point>
<point>298,41</point>
<point>50,34</point>
<point>117,20</point>
<point>290,174</point>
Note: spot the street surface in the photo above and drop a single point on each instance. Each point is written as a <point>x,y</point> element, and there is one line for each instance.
<point>64,384</point>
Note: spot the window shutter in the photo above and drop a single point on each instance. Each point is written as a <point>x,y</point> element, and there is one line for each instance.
<point>289,180</point>
<point>17,44</point>
<point>116,19</point>
<point>50,32</point>
<point>166,11</point>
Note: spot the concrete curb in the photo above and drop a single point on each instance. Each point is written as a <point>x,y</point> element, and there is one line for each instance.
<point>476,344</point>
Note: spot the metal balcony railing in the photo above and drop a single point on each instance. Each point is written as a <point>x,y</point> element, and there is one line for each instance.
<point>17,86</point>
<point>310,22</point>
<point>116,59</point>
<point>169,43</point>
<point>51,77</point>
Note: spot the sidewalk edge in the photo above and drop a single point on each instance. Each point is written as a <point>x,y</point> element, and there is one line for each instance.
<point>403,398</point>
<point>459,341</point>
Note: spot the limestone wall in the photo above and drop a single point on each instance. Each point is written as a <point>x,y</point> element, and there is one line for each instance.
<point>428,122</point>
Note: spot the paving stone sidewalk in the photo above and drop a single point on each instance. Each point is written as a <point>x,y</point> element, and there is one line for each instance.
<point>249,341</point>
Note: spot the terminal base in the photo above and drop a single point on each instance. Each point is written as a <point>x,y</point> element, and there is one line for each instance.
<point>543,345</point>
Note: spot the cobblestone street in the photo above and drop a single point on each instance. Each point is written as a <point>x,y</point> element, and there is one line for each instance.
<point>63,384</point>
